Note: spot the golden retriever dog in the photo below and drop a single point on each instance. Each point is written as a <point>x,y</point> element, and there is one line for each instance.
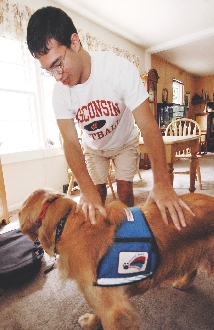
<point>82,246</point>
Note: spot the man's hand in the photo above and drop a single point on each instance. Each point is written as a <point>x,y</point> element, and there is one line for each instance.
<point>89,203</point>
<point>166,198</point>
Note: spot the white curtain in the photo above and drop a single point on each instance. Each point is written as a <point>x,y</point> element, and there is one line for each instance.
<point>92,43</point>
<point>13,20</point>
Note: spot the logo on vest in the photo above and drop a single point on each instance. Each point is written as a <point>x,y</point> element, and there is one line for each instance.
<point>132,262</point>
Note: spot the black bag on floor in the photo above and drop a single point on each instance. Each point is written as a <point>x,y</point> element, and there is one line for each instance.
<point>20,258</point>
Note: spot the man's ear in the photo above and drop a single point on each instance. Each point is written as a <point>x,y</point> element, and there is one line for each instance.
<point>75,42</point>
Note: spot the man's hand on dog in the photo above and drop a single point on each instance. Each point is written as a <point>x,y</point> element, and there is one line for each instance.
<point>166,199</point>
<point>89,203</point>
<point>163,195</point>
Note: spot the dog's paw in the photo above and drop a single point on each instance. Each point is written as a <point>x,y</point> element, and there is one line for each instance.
<point>179,285</point>
<point>185,282</point>
<point>89,322</point>
<point>84,319</point>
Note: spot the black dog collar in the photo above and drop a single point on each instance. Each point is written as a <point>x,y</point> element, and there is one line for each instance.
<point>60,227</point>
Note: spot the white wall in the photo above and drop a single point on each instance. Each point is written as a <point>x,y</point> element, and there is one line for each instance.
<point>28,171</point>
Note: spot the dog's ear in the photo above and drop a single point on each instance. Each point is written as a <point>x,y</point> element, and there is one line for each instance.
<point>32,232</point>
<point>31,209</point>
<point>28,226</point>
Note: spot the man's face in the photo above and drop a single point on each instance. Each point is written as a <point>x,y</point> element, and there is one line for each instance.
<point>64,63</point>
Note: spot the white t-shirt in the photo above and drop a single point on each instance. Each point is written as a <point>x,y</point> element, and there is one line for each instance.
<point>103,105</point>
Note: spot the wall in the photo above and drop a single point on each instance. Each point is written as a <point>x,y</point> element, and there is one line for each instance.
<point>167,72</point>
<point>28,171</point>
<point>207,85</point>
<point>192,84</point>
<point>204,84</point>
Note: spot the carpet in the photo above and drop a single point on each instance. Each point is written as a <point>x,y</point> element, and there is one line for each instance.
<point>47,303</point>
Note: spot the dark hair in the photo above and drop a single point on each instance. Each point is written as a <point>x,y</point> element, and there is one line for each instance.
<point>47,23</point>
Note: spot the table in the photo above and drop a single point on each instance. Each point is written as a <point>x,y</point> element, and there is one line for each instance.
<point>174,144</point>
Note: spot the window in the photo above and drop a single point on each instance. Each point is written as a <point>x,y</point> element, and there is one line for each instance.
<point>27,120</point>
<point>178,92</point>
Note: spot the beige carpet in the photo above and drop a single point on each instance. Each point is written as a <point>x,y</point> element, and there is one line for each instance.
<point>45,303</point>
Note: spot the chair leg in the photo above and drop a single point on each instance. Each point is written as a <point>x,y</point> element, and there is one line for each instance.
<point>109,179</point>
<point>198,172</point>
<point>71,184</point>
<point>138,167</point>
<point>111,187</point>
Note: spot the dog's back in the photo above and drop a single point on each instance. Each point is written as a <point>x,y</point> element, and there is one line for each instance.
<point>183,252</point>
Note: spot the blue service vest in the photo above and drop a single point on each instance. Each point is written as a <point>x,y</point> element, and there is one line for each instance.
<point>132,257</point>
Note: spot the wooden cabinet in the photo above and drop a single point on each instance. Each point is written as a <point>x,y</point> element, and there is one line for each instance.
<point>151,80</point>
<point>206,122</point>
<point>199,106</point>
<point>210,131</point>
<point>4,216</point>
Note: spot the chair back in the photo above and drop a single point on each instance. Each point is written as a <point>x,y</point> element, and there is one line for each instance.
<point>183,127</point>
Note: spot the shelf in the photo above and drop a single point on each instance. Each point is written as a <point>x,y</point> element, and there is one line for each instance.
<point>199,102</point>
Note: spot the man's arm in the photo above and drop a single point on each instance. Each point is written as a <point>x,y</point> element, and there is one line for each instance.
<point>90,199</point>
<point>162,193</point>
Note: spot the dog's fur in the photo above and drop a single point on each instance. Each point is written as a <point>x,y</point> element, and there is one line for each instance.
<point>82,246</point>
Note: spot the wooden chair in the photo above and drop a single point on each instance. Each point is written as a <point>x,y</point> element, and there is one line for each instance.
<point>201,119</point>
<point>71,182</point>
<point>185,127</point>
<point>72,188</point>
<point>109,180</point>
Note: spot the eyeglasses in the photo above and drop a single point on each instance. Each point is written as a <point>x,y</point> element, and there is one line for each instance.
<point>57,69</point>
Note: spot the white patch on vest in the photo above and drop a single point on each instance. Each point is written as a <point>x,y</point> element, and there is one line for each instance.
<point>132,262</point>
<point>129,214</point>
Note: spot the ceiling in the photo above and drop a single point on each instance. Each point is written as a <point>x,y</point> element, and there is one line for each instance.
<point>179,31</point>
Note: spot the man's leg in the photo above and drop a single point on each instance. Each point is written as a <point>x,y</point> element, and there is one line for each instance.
<point>102,189</point>
<point>125,163</point>
<point>98,168</point>
<point>125,192</point>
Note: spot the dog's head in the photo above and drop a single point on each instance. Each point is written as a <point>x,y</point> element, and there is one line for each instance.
<point>32,208</point>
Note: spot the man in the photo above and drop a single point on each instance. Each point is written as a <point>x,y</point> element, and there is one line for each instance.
<point>105,95</point>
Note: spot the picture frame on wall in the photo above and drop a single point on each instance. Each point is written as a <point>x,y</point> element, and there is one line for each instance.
<point>165,95</point>
<point>187,100</point>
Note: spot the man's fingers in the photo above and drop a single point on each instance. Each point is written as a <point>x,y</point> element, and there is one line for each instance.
<point>163,214</point>
<point>78,208</point>
<point>175,216</point>
<point>173,204</point>
<point>186,207</point>
<point>102,211</point>
<point>91,214</point>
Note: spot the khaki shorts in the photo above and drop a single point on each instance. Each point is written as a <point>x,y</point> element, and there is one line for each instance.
<point>125,162</point>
